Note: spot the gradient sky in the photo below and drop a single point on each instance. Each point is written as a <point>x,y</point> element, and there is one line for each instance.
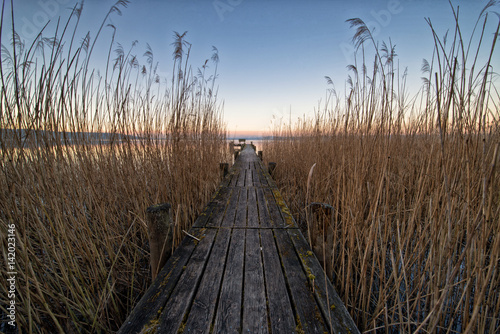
<point>274,54</point>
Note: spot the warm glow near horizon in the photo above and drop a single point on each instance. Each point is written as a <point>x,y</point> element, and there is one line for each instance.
<point>248,134</point>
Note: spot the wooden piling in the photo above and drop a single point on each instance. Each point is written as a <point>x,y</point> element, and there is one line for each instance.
<point>270,168</point>
<point>321,230</point>
<point>160,231</point>
<point>260,155</point>
<point>224,168</point>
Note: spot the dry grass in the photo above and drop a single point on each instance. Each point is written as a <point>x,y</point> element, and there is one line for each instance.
<point>78,200</point>
<point>414,242</point>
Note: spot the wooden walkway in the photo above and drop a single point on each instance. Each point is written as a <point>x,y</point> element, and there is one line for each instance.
<point>251,271</point>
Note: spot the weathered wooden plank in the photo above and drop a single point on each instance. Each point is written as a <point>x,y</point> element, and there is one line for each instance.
<point>241,178</point>
<point>203,308</point>
<point>280,310</point>
<point>333,309</point>
<point>248,180</point>
<point>262,175</point>
<point>264,219</point>
<point>227,179</point>
<point>285,212</point>
<point>229,215</point>
<point>274,210</point>
<point>253,212</point>
<point>215,219</point>
<point>235,176</point>
<point>258,178</point>
<point>254,303</point>
<point>214,207</point>
<point>180,299</point>
<point>278,210</point>
<point>309,315</point>
<point>146,310</point>
<point>241,210</point>
<point>255,178</point>
<point>202,219</point>
<point>269,180</point>
<point>228,318</point>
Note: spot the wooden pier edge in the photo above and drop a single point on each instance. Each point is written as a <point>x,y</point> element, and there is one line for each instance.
<point>194,281</point>
<point>332,307</point>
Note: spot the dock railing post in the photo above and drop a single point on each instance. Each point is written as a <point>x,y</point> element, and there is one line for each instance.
<point>161,233</point>
<point>271,167</point>
<point>260,155</point>
<point>320,221</point>
<point>224,168</point>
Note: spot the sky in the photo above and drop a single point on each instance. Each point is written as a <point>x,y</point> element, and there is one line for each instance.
<point>274,54</point>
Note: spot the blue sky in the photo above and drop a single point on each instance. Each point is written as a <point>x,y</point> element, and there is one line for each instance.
<point>274,54</point>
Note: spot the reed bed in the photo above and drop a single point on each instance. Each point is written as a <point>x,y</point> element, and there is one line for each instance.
<point>413,241</point>
<point>83,154</point>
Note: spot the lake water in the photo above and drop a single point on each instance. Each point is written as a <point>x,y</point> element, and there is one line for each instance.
<point>257,142</point>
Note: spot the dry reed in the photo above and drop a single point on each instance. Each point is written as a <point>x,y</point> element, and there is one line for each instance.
<point>83,154</point>
<point>414,241</point>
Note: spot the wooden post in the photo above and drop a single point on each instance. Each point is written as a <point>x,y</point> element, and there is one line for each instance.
<point>236,155</point>
<point>224,168</point>
<point>260,155</point>
<point>271,167</point>
<point>322,229</point>
<point>161,233</point>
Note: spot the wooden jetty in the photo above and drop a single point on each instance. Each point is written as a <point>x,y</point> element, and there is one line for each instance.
<point>249,270</point>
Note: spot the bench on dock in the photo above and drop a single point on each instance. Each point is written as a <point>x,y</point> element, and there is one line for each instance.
<point>248,269</point>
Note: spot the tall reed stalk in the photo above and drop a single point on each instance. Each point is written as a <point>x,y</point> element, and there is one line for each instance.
<point>414,243</point>
<point>83,154</point>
